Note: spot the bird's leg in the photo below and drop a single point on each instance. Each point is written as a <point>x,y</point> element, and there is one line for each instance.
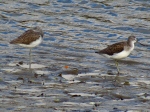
<point>116,63</point>
<point>30,59</point>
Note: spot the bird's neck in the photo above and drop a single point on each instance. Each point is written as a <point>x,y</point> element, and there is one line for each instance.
<point>130,43</point>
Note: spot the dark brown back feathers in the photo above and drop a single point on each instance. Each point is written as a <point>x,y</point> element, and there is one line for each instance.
<point>112,49</point>
<point>28,36</point>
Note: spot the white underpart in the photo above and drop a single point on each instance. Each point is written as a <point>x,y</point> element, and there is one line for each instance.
<point>32,44</point>
<point>122,54</point>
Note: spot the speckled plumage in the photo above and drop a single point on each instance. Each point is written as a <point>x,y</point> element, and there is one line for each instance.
<point>114,48</point>
<point>119,50</point>
<point>118,47</point>
<point>28,36</point>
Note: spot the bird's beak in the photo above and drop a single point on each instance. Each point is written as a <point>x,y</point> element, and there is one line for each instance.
<point>136,40</point>
<point>141,43</point>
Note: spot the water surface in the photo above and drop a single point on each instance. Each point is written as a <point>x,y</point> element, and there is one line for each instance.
<point>67,75</point>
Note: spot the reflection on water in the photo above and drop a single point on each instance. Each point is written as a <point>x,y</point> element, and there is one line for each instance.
<point>71,72</point>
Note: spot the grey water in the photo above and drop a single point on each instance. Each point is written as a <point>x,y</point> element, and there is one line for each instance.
<point>67,75</point>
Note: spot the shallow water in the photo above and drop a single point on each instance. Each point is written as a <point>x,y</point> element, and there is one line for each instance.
<point>67,75</point>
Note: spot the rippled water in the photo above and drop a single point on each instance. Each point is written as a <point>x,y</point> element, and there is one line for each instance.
<point>67,74</point>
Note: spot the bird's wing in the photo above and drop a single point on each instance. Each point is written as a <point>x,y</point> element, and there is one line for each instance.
<point>26,38</point>
<point>112,49</point>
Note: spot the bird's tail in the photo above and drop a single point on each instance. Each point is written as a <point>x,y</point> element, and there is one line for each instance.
<point>15,41</point>
<point>12,42</point>
<point>98,52</point>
